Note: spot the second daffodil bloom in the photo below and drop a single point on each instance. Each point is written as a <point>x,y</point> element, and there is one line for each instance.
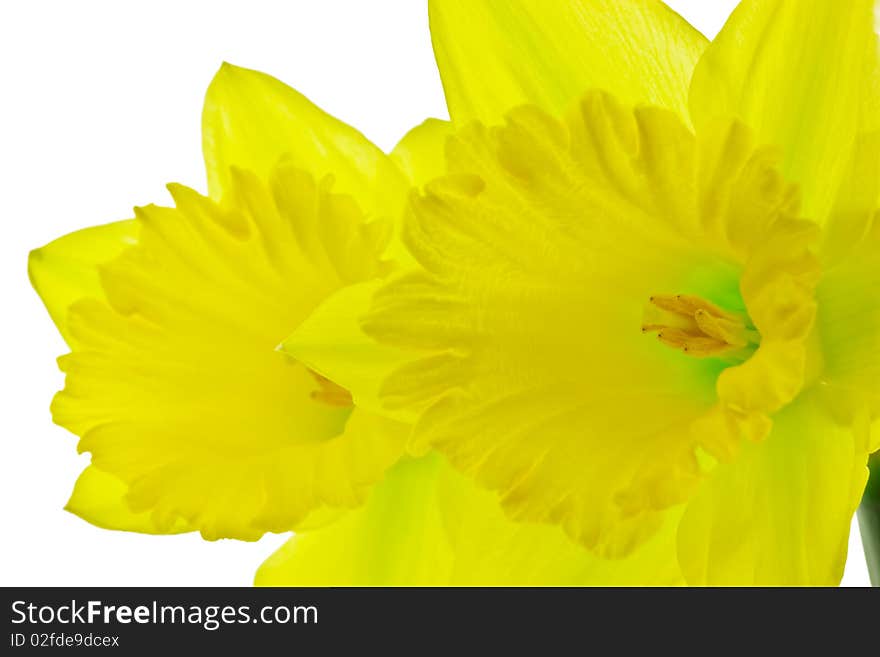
<point>175,384</point>
<point>647,295</point>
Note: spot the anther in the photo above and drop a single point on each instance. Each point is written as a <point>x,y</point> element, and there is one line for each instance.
<point>698,327</point>
<point>330,393</point>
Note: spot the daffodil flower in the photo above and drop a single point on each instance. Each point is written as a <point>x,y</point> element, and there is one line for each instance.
<point>194,419</point>
<point>646,302</point>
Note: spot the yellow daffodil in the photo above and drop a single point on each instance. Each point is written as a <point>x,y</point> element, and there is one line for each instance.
<point>646,301</point>
<point>175,384</point>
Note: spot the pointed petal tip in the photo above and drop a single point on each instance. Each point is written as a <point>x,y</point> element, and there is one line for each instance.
<point>35,257</point>
<point>228,69</point>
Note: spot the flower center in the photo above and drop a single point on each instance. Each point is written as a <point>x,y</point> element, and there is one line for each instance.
<point>700,328</point>
<point>330,393</point>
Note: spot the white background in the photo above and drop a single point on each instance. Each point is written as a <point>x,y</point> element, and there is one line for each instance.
<point>99,108</point>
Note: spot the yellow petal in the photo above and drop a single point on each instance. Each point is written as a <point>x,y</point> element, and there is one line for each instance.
<point>859,194</point>
<point>426,525</point>
<point>540,250</point>
<point>176,385</point>
<point>780,514</point>
<point>395,539</point>
<point>849,328</point>
<point>66,269</point>
<point>494,56</point>
<point>252,121</point>
<point>420,155</point>
<point>857,201</point>
<point>100,498</point>
<point>796,73</point>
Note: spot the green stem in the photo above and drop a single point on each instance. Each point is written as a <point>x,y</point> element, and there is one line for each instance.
<point>869,520</point>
